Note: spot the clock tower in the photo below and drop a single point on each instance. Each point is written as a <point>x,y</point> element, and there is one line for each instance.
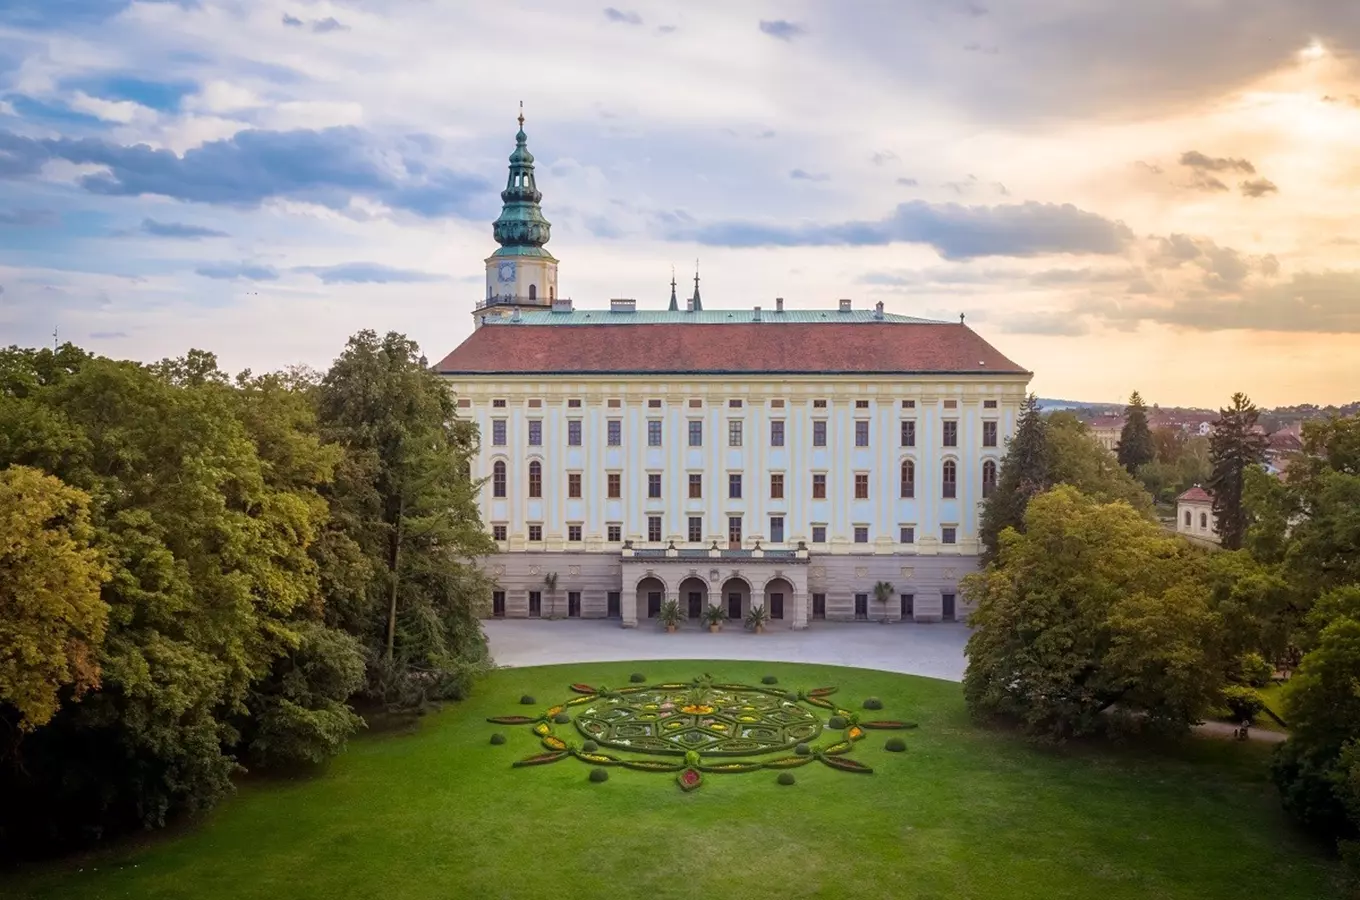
<point>521,274</point>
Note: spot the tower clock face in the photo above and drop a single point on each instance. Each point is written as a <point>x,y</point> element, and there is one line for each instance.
<point>505,272</point>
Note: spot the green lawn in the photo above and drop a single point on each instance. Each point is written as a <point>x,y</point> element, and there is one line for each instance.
<point>964,813</point>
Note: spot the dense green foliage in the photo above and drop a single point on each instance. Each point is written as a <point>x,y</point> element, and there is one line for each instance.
<point>238,538</point>
<point>1024,473</point>
<point>1135,448</point>
<point>1179,463</point>
<point>1235,448</point>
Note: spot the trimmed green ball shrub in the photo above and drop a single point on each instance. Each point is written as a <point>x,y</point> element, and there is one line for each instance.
<point>1244,703</point>
<point>791,696</point>
<point>637,678</point>
<point>527,700</point>
<point>873,703</point>
<point>785,778</point>
<point>590,747</point>
<point>598,775</point>
<point>498,738</point>
<point>837,722</point>
<point>561,718</point>
<point>896,745</point>
<point>802,750</point>
<point>769,679</point>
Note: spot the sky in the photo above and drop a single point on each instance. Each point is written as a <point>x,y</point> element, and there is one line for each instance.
<point>1158,196</point>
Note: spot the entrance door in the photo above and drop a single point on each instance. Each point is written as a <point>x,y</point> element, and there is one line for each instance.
<point>573,604</point>
<point>908,607</point>
<point>613,605</point>
<point>861,606</point>
<point>696,604</point>
<point>653,604</point>
<point>734,605</point>
<point>535,604</point>
<point>776,606</point>
<point>498,604</point>
<point>819,606</point>
<point>948,614</point>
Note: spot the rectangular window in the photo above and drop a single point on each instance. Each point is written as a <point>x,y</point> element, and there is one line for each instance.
<point>573,604</point>
<point>819,433</point>
<point>498,604</point>
<point>535,533</point>
<point>908,432</point>
<point>614,531</point>
<point>908,404</point>
<point>498,432</point>
<point>574,403</point>
<point>989,434</point>
<point>777,433</point>
<point>989,404</point>
<point>861,534</point>
<point>535,604</point>
<point>614,403</point>
<point>819,404</point>
<point>696,486</point>
<point>574,533</point>
<point>615,428</point>
<point>907,534</point>
<point>819,486</point>
<point>535,404</point>
<point>861,607</point>
<point>734,433</point>
<point>573,432</point>
<point>535,479</point>
<point>615,489</point>
<point>734,404</point>
<point>498,404</point>
<point>861,404</point>
<point>776,529</point>
<point>734,531</point>
<point>696,404</point>
<point>861,486</point>
<point>696,529</point>
<point>653,486</point>
<point>574,485</point>
<point>696,433</point>
<point>653,432</point>
<point>948,534</point>
<point>654,529</point>
<point>498,479</point>
<point>862,433</point>
<point>653,404</point>
<point>776,485</point>
<point>819,534</point>
<point>734,485</point>
<point>819,606</point>
<point>951,404</point>
<point>776,404</point>
<point>951,433</point>
<point>535,432</point>
<point>948,481</point>
<point>498,532</point>
<point>464,403</point>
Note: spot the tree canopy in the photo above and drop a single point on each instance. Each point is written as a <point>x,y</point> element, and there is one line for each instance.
<point>1235,448</point>
<point>1135,448</point>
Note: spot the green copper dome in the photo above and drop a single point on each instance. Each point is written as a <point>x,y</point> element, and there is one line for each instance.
<point>521,229</point>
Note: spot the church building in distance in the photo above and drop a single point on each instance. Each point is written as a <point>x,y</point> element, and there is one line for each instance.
<point>788,458</point>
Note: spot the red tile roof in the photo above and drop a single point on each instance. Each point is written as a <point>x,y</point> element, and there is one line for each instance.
<point>744,347</point>
<point>1198,494</point>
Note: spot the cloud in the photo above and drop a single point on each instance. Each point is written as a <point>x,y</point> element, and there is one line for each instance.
<point>1224,268</point>
<point>242,271</point>
<point>369,273</point>
<point>955,231</point>
<point>107,335</point>
<point>178,230</point>
<point>1314,302</point>
<point>975,47</point>
<point>908,182</point>
<point>1055,324</point>
<point>292,21</point>
<point>882,156</point>
<point>1258,187</point>
<point>30,218</point>
<point>327,25</point>
<point>802,175</point>
<point>665,29</point>
<point>781,29</point>
<point>1203,181</point>
<point>1196,160</point>
<point>623,18</point>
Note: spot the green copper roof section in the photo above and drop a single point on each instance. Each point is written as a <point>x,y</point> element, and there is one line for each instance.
<point>521,224</point>
<point>702,317</point>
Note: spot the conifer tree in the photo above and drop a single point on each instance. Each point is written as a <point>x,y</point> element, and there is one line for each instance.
<point>1024,473</point>
<point>1234,447</point>
<point>1136,447</point>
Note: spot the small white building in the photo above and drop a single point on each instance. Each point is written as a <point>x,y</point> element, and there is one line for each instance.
<point>1195,515</point>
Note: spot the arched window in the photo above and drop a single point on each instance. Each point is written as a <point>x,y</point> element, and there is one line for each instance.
<point>552,292</point>
<point>535,479</point>
<point>1203,520</point>
<point>908,478</point>
<point>1187,518</point>
<point>988,478</point>
<point>950,480</point>
<point>498,479</point>
<point>533,292</point>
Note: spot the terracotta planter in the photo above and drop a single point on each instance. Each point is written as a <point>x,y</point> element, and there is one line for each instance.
<point>670,629</point>
<point>760,629</point>
<point>714,629</point>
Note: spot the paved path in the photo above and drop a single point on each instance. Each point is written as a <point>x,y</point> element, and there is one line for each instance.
<point>1224,730</point>
<point>932,650</point>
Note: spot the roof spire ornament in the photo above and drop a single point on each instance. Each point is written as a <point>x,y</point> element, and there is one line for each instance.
<point>521,229</point>
<point>696,304</point>
<point>675,305</point>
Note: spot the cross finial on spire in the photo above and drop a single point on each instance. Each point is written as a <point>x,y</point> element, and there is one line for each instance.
<point>960,318</point>
<point>521,115</point>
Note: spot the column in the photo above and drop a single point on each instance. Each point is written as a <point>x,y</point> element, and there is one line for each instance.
<point>628,601</point>
<point>799,602</point>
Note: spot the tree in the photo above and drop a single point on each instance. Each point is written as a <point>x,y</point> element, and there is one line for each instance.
<point>1092,619</point>
<point>1024,474</point>
<point>1078,459</point>
<point>1235,447</point>
<point>1136,447</point>
<point>52,619</point>
<point>883,593</point>
<point>550,585</point>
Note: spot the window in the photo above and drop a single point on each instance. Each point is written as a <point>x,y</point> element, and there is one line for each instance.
<point>574,485</point>
<point>908,479</point>
<point>614,403</point>
<point>908,404</point>
<point>861,404</point>
<point>734,433</point>
<point>734,404</point>
<point>696,433</point>
<point>777,486</point>
<point>734,485</point>
<point>535,604</point>
<point>654,529</point>
<point>533,292</point>
<point>615,428</point>
<point>535,479</point>
<point>535,432</point>
<point>696,529</point>
<point>696,486</point>
<point>948,534</point>
<point>988,478</point>
<point>862,433</point>
<point>819,606</point>
<point>989,404</point>
<point>819,433</point>
<point>535,533</point>
<point>950,480</point>
<point>989,434</point>
<point>1187,518</point>
<point>574,533</point>
<point>498,404</point>
<point>951,433</point>
<point>951,404</point>
<point>653,486</point>
<point>574,403</point>
<point>498,432</point>
<point>1203,520</point>
<point>734,530</point>
<point>573,604</point>
<point>613,603</point>
<point>573,432</point>
<point>776,404</point>
<point>819,534</point>
<point>498,532</point>
<point>861,534</point>
<point>696,404</point>
<point>498,604</point>
<point>861,485</point>
<point>819,486</point>
<point>614,531</point>
<point>776,529</point>
<point>861,607</point>
<point>498,480</point>
<point>819,404</point>
<point>653,404</point>
<point>777,433</point>
<point>615,489</point>
<point>908,432</point>
<point>653,432</point>
<point>907,534</point>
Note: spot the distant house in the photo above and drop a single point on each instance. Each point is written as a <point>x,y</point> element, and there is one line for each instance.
<point>1106,431</point>
<point>1195,515</point>
<point>1284,446</point>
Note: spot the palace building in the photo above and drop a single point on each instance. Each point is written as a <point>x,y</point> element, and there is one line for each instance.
<point>759,455</point>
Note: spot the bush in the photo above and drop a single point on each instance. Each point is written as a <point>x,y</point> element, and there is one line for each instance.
<point>785,778</point>
<point>498,738</point>
<point>873,703</point>
<point>791,696</point>
<point>527,700</point>
<point>1244,703</point>
<point>1253,669</point>
<point>561,718</point>
<point>837,722</point>
<point>802,750</point>
<point>692,758</point>
<point>637,678</point>
<point>590,747</point>
<point>598,775</point>
<point>895,745</point>
<point>769,679</point>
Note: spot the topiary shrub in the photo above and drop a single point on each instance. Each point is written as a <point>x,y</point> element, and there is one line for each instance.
<point>769,679</point>
<point>561,718</point>
<point>498,738</point>
<point>637,678</point>
<point>895,745</point>
<point>1244,703</point>
<point>590,747</point>
<point>791,696</point>
<point>803,750</point>
<point>873,703</point>
<point>598,775</point>
<point>837,722</point>
<point>785,778</point>
<point>527,700</point>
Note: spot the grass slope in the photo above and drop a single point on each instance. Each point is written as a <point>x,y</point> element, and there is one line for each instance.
<point>964,813</point>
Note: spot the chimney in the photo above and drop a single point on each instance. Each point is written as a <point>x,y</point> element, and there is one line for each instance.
<point>561,305</point>
<point>756,317</point>
<point>845,305</point>
<point>622,305</point>
<point>689,305</point>
<point>878,310</point>
<point>778,304</point>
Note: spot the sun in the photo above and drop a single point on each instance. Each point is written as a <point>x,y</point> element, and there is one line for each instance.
<point>1314,50</point>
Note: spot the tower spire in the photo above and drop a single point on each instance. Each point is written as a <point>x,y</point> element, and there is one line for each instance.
<point>696,304</point>
<point>675,304</point>
<point>521,229</point>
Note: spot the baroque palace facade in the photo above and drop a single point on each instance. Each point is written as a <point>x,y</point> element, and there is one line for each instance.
<point>785,458</point>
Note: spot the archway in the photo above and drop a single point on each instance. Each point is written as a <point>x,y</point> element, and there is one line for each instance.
<point>779,598</point>
<point>693,593</point>
<point>736,597</point>
<point>651,593</point>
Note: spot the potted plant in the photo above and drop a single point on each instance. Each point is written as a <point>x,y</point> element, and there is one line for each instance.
<point>883,593</point>
<point>670,615</point>
<point>550,584</point>
<point>756,619</point>
<point>714,617</point>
